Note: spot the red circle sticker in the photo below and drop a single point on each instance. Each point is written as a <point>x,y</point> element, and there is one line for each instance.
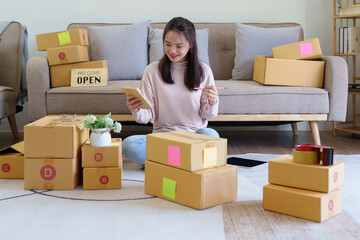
<point>98,157</point>
<point>336,176</point>
<point>62,55</point>
<point>104,179</point>
<point>6,167</point>
<point>48,172</point>
<point>331,205</point>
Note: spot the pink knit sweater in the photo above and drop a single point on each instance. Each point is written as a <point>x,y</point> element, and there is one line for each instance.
<point>174,106</point>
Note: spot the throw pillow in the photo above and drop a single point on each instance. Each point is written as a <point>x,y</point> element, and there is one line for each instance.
<point>156,50</point>
<point>252,40</point>
<point>125,48</point>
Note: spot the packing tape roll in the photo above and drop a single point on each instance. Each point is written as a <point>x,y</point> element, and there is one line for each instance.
<point>305,157</point>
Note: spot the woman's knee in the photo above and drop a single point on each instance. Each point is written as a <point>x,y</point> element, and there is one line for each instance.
<point>209,132</point>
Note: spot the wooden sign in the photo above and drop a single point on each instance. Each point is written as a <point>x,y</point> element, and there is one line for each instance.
<point>90,77</point>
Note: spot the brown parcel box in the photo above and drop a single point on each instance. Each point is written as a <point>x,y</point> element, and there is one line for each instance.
<point>12,161</point>
<point>54,137</point>
<point>283,171</point>
<point>69,54</point>
<point>62,38</point>
<point>287,72</point>
<point>57,174</point>
<point>308,49</point>
<point>201,189</point>
<point>301,203</point>
<point>110,156</point>
<point>185,150</point>
<point>60,75</point>
<point>102,178</point>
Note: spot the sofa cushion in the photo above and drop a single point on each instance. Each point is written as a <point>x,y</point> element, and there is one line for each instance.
<point>156,50</point>
<point>251,41</point>
<point>125,48</point>
<point>250,97</point>
<point>239,97</point>
<point>84,100</point>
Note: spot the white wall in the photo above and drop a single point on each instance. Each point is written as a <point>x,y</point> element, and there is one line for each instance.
<point>42,16</point>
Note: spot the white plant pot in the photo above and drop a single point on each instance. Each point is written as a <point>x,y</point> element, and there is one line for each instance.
<point>100,137</point>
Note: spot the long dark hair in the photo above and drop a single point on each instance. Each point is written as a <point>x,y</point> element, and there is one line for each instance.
<point>194,71</point>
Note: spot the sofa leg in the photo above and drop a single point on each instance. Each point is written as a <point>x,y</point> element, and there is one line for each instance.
<point>12,122</point>
<point>294,128</point>
<point>315,132</point>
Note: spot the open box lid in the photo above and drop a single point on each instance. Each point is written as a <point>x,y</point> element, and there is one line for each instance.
<point>18,147</point>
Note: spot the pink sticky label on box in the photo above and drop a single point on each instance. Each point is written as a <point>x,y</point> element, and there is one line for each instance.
<point>174,155</point>
<point>331,205</point>
<point>306,49</point>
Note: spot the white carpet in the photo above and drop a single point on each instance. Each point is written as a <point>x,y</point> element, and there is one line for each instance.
<point>128,213</point>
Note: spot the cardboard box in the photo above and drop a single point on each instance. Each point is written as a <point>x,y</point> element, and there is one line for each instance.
<point>287,72</point>
<point>201,189</point>
<point>301,203</point>
<point>60,75</point>
<point>308,49</point>
<point>57,174</point>
<point>12,161</point>
<point>283,171</point>
<point>63,38</point>
<point>102,178</point>
<point>54,137</point>
<point>110,156</point>
<point>69,54</point>
<point>185,150</point>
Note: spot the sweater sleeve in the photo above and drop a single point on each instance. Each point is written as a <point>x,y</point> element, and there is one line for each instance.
<point>207,111</point>
<point>145,115</point>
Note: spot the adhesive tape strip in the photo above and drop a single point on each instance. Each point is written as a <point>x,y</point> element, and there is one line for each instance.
<point>305,157</point>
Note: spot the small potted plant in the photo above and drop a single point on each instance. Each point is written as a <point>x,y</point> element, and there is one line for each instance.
<point>100,129</point>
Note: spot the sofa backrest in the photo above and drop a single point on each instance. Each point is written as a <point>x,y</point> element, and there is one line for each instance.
<point>221,42</point>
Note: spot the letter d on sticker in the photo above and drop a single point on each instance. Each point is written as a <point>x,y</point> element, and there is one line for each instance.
<point>48,172</point>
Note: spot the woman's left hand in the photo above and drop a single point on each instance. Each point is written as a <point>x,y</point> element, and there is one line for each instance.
<point>212,94</point>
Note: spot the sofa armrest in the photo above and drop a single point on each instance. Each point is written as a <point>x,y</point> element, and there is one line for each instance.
<point>38,83</point>
<point>336,83</point>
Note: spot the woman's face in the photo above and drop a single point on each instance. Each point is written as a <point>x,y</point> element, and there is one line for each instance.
<point>176,46</point>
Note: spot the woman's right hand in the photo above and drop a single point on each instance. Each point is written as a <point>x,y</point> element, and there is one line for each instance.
<point>133,103</point>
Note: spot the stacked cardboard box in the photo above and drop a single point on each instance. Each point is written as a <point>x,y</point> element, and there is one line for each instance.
<point>306,191</point>
<point>102,166</point>
<point>189,169</point>
<point>67,50</point>
<point>12,161</point>
<point>295,64</point>
<point>52,152</point>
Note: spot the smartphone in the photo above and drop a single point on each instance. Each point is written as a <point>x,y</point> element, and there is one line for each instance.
<point>243,162</point>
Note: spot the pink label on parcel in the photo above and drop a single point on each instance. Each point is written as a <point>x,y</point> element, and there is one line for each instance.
<point>306,49</point>
<point>331,205</point>
<point>98,157</point>
<point>174,155</point>
<point>6,167</point>
<point>336,176</point>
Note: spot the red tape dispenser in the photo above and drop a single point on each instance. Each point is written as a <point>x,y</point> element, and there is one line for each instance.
<point>313,154</point>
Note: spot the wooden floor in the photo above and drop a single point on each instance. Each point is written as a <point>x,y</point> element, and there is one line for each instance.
<point>270,142</point>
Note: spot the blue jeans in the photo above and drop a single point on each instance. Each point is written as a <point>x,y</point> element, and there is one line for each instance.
<point>134,147</point>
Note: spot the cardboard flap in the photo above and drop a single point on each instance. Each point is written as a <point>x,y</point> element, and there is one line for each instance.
<point>18,147</point>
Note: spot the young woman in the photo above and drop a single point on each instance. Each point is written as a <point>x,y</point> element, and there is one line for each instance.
<point>180,88</point>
